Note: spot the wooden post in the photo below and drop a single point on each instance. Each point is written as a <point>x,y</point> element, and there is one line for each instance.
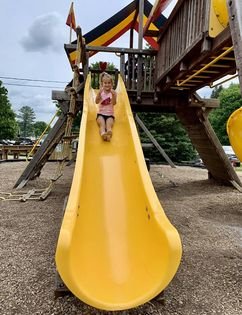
<point>122,66</point>
<point>141,13</point>
<point>235,23</point>
<point>140,46</point>
<point>131,39</point>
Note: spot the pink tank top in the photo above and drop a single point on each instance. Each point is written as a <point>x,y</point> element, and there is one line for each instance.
<point>106,106</point>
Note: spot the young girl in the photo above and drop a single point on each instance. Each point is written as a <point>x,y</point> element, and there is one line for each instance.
<point>106,98</point>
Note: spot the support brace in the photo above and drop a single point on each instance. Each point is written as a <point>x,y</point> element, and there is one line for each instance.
<point>235,23</point>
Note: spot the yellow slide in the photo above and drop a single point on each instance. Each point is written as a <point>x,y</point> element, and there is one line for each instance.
<point>234,130</point>
<point>116,249</point>
<point>219,17</point>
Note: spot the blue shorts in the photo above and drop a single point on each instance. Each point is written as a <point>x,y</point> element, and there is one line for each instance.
<point>105,117</point>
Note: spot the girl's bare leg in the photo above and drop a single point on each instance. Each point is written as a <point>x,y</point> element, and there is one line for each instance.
<point>109,126</point>
<point>102,127</point>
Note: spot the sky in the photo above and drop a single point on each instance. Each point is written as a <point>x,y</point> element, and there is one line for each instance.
<point>33,34</point>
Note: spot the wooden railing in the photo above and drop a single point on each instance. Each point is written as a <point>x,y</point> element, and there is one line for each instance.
<point>138,71</point>
<point>137,67</point>
<point>187,26</point>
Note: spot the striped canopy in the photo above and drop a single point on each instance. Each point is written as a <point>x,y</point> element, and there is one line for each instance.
<point>126,19</point>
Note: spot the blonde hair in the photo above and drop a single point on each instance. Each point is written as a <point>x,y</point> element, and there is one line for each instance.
<point>105,75</point>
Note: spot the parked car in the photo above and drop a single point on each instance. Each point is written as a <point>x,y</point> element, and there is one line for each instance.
<point>234,160</point>
<point>4,142</point>
<point>24,141</point>
<point>231,155</point>
<point>198,163</point>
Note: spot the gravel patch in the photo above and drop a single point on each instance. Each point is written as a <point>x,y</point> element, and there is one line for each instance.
<point>207,216</point>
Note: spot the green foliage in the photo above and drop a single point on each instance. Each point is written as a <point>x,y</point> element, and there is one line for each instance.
<point>39,127</point>
<point>171,136</point>
<point>95,76</point>
<point>26,119</point>
<point>216,91</point>
<point>8,124</point>
<point>230,100</point>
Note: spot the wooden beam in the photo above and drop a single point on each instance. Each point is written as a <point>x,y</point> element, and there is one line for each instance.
<point>235,18</point>
<point>72,47</point>
<point>208,103</point>
<point>141,13</point>
<point>205,141</point>
<point>153,140</point>
<point>152,33</point>
<point>63,96</point>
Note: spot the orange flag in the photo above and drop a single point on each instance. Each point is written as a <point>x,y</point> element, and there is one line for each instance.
<point>71,21</point>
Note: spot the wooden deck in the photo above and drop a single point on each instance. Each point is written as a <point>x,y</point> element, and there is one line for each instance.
<point>188,58</point>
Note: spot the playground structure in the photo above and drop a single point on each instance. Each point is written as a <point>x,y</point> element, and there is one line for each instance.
<point>137,253</point>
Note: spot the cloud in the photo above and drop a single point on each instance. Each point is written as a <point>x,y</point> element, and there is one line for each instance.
<point>41,102</point>
<point>45,34</point>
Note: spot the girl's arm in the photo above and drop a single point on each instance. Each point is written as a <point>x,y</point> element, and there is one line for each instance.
<point>98,97</point>
<point>114,97</point>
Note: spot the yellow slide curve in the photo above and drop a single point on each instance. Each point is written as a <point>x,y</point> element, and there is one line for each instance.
<point>116,248</point>
<point>234,131</point>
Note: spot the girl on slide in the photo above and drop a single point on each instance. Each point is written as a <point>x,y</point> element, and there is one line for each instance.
<point>106,98</point>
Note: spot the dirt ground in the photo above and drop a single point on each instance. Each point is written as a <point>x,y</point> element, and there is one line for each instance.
<point>207,216</point>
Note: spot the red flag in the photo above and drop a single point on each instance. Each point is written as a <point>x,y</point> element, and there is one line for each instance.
<point>71,21</point>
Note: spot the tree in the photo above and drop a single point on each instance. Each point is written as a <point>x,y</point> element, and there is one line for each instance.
<point>171,136</point>
<point>39,127</point>
<point>26,119</point>
<point>8,124</point>
<point>217,90</point>
<point>230,100</point>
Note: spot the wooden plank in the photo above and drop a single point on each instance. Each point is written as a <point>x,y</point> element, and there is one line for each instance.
<point>235,18</point>
<point>72,47</point>
<point>208,103</point>
<point>171,18</point>
<point>63,96</point>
